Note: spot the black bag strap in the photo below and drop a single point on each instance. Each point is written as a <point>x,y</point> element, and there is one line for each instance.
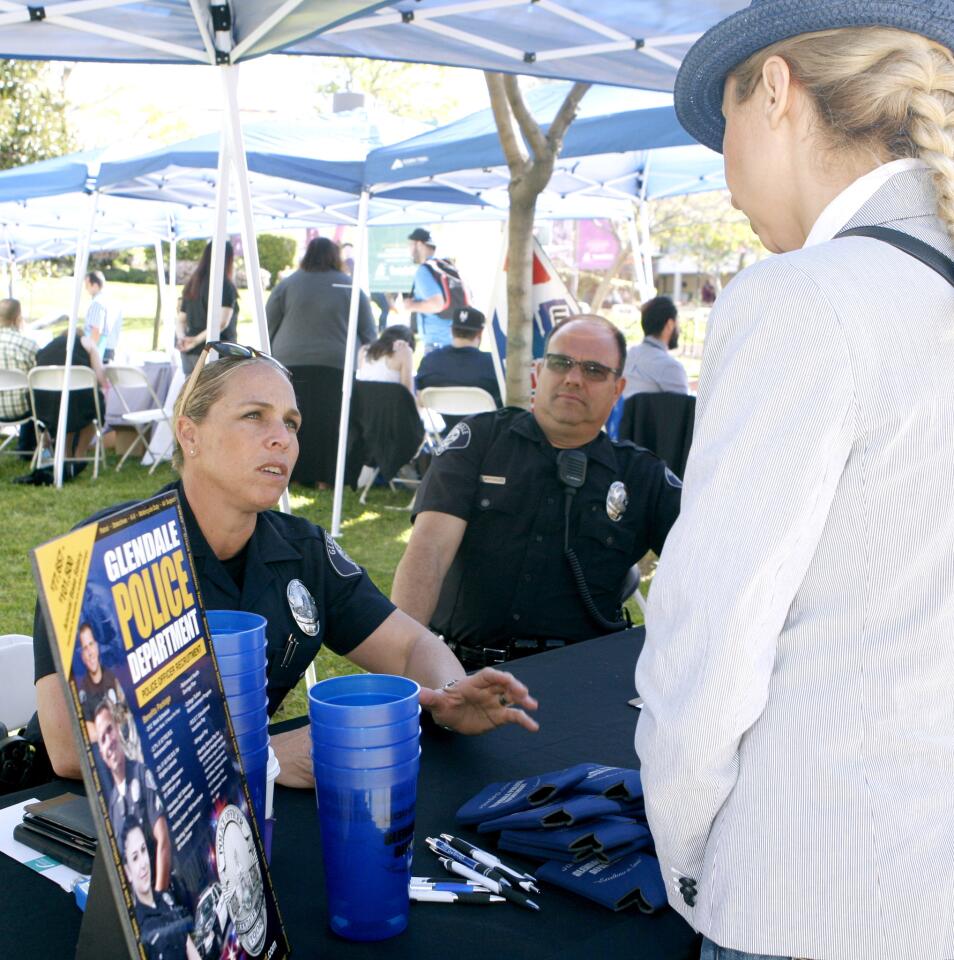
<point>911,245</point>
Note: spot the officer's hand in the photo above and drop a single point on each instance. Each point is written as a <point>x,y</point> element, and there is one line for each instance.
<point>478,703</point>
<point>293,750</point>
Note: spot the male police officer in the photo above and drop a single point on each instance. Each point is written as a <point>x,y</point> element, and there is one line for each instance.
<point>489,536</point>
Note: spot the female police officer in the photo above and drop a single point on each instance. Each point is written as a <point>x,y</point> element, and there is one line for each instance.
<point>236,444</point>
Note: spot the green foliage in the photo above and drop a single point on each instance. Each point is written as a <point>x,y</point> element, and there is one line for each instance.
<point>32,113</point>
<point>190,250</point>
<point>275,254</point>
<point>706,228</point>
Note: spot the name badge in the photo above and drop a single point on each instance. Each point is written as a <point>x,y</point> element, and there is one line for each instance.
<point>486,478</point>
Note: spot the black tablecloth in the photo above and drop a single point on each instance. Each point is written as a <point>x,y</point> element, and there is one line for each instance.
<point>584,716</point>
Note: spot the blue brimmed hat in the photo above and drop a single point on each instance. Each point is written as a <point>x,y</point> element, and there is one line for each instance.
<point>699,84</point>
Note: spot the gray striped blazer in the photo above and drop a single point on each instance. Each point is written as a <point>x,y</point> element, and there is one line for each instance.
<point>797,740</point>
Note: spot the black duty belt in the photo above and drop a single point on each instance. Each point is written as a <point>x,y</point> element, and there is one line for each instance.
<point>503,650</point>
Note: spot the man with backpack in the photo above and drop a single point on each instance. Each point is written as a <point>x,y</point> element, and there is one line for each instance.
<point>436,293</point>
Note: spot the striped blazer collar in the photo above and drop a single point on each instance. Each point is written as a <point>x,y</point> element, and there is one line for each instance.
<point>906,195</point>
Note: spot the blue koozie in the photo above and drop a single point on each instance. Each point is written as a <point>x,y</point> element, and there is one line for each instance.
<point>367,840</point>
<point>635,880</point>
<point>617,783</point>
<point>499,799</point>
<point>563,813</point>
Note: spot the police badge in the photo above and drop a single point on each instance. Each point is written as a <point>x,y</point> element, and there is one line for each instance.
<point>617,500</point>
<point>241,879</point>
<point>303,607</point>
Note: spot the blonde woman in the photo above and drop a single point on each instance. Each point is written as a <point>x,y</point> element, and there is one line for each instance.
<point>797,740</point>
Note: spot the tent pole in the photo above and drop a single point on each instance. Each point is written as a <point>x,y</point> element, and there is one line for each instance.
<point>647,248</point>
<point>348,375</point>
<point>79,274</point>
<point>217,267</point>
<point>253,273</point>
<point>498,302</point>
<point>171,293</point>
<point>162,290</point>
<point>639,264</point>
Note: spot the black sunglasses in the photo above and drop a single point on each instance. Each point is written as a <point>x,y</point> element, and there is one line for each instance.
<point>591,369</point>
<point>225,348</point>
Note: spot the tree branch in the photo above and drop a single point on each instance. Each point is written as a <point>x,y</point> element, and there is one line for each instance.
<point>565,115</point>
<point>513,146</point>
<point>528,126</point>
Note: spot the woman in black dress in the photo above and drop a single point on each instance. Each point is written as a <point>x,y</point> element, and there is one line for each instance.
<point>193,310</point>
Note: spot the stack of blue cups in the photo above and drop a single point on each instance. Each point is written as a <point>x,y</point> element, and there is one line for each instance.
<point>240,649</point>
<point>365,731</point>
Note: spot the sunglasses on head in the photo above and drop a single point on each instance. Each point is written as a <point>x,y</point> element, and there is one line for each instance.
<point>225,348</point>
<point>591,369</point>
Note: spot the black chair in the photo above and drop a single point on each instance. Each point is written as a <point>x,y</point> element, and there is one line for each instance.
<point>385,430</point>
<point>661,422</point>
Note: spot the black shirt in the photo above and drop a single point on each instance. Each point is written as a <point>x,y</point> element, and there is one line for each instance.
<point>458,367</point>
<point>197,313</point>
<point>510,578</point>
<point>282,548</point>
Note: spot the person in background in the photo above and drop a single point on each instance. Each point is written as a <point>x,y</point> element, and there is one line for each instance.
<point>81,410</point>
<point>379,299</point>
<point>797,735</point>
<point>463,363</point>
<point>17,352</point>
<point>649,367</point>
<point>427,296</point>
<point>308,329</point>
<point>390,359</point>
<point>237,428</point>
<point>104,318</point>
<point>192,321</point>
<point>485,564</point>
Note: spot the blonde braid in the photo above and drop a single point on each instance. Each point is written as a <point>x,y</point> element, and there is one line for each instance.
<point>883,91</point>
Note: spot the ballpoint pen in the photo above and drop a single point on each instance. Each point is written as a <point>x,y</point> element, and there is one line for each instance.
<point>502,889</point>
<point>442,896</point>
<point>525,880</point>
<point>439,846</point>
<point>447,886</point>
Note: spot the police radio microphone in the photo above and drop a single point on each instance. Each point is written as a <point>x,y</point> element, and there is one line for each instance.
<point>571,472</point>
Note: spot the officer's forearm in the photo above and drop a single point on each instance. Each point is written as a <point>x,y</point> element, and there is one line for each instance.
<point>417,582</point>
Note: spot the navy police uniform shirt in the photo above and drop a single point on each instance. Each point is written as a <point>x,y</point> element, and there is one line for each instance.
<point>510,578</point>
<point>282,548</point>
<point>458,367</point>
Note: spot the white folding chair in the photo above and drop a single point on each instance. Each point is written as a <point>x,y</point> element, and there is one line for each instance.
<point>81,378</point>
<point>13,381</point>
<point>17,692</point>
<point>454,401</point>
<point>124,380</point>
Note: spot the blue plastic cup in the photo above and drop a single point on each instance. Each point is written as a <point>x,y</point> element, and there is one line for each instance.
<point>367,840</point>
<point>254,740</point>
<point>254,699</point>
<point>372,758</point>
<point>363,700</point>
<point>238,684</point>
<point>380,736</point>
<point>255,765</point>
<point>242,662</point>
<point>250,722</point>
<point>235,631</point>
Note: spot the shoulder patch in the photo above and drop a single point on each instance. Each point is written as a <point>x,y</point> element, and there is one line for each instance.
<point>340,562</point>
<point>672,479</point>
<point>457,439</point>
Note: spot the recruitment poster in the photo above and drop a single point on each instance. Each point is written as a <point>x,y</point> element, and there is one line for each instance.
<point>175,820</point>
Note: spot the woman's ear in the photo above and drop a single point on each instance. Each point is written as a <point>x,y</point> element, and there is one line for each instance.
<point>185,432</point>
<point>777,89</point>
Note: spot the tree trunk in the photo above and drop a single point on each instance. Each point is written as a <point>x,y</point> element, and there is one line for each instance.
<point>520,298</point>
<point>602,291</point>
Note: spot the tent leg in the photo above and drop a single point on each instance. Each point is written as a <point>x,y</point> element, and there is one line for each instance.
<point>348,376</point>
<point>253,273</point>
<point>79,274</point>
<point>217,267</point>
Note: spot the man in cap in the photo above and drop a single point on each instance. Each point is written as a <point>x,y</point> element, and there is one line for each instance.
<point>427,296</point>
<point>463,363</point>
<point>486,564</point>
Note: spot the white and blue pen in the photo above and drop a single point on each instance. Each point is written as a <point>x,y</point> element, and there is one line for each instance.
<point>525,880</point>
